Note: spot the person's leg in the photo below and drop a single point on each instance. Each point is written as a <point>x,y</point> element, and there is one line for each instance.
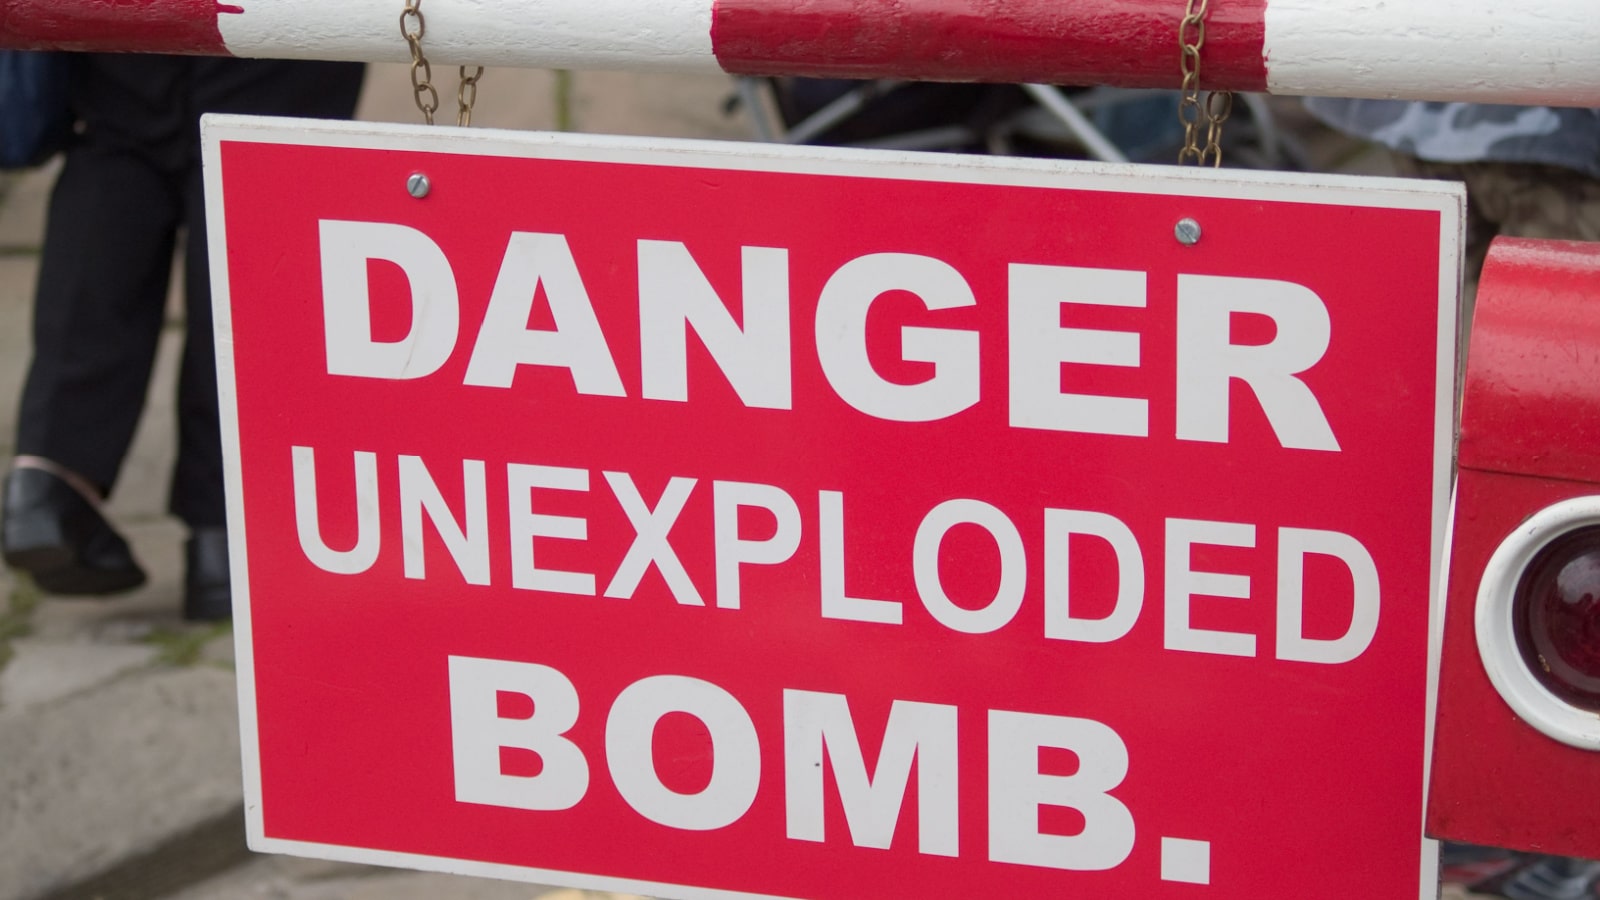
<point>197,493</point>
<point>98,312</point>
<point>197,481</point>
<point>265,87</point>
<point>237,86</point>
<point>102,286</point>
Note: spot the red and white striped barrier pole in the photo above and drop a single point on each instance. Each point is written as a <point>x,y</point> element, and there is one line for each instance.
<point>1543,52</point>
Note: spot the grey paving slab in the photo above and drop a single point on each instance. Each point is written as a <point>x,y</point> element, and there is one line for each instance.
<point>288,878</point>
<point>110,774</point>
<point>41,671</point>
<point>71,645</point>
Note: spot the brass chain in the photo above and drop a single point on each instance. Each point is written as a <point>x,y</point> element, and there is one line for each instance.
<point>467,95</point>
<point>412,28</point>
<point>1218,104</point>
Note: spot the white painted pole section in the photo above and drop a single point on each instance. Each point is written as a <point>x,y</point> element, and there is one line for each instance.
<point>1487,51</point>
<point>637,35</point>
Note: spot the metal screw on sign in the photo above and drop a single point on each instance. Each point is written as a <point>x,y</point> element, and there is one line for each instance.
<point>417,185</point>
<point>1187,231</point>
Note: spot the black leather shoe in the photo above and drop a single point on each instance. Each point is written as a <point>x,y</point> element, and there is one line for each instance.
<point>53,533</point>
<point>207,592</point>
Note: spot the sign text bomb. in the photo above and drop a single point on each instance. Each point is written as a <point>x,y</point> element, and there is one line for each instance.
<point>501,709</point>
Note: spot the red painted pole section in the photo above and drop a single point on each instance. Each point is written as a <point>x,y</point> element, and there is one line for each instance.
<point>1533,386</point>
<point>141,26</point>
<point>1129,43</point>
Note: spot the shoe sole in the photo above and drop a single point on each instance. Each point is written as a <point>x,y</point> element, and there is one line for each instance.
<point>55,570</point>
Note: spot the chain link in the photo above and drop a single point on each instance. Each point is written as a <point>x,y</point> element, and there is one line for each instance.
<point>412,28</point>
<point>1191,112</point>
<point>467,95</point>
<point>1219,105</point>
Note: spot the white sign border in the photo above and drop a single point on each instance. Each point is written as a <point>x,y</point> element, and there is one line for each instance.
<point>1446,198</point>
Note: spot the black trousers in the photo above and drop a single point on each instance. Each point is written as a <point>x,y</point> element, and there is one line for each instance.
<point>129,192</point>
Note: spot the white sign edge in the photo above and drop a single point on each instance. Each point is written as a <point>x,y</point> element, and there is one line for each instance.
<point>1446,198</point>
<point>1452,245</point>
<point>1288,187</point>
<point>233,487</point>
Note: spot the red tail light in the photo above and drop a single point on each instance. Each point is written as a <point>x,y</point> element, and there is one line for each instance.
<point>1538,621</point>
<point>1556,614</point>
